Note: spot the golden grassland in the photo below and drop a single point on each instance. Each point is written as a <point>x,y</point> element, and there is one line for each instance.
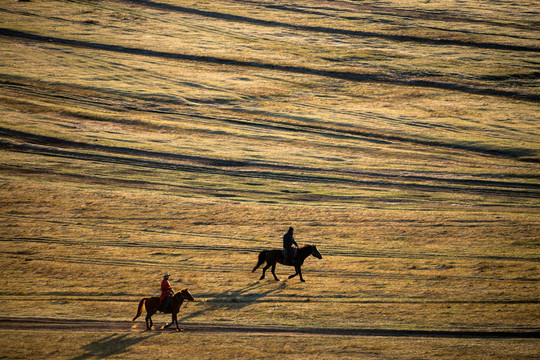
<point>219,346</point>
<point>402,138</point>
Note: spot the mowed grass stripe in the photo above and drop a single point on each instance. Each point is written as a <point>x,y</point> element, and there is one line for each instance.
<point>398,79</point>
<point>257,169</point>
<point>21,93</point>
<point>325,29</point>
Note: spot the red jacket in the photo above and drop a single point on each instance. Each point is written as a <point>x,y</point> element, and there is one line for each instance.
<point>165,289</point>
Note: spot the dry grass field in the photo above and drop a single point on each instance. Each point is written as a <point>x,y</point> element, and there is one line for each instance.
<point>401,137</point>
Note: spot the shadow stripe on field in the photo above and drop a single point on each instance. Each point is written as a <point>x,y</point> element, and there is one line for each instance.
<point>399,80</point>
<point>529,190</point>
<point>326,29</point>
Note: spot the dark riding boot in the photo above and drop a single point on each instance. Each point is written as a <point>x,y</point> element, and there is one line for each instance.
<point>165,304</point>
<point>290,256</point>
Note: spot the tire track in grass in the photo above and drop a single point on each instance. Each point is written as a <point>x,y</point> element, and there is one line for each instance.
<point>246,266</point>
<point>337,251</point>
<point>122,326</point>
<point>231,297</point>
<point>309,270</point>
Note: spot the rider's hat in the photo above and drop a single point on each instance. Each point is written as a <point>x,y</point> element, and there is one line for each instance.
<point>166,274</point>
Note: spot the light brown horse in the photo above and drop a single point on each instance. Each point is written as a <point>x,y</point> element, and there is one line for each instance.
<point>152,306</point>
<point>272,257</point>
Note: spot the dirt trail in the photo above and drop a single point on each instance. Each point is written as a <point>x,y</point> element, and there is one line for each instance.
<point>122,326</point>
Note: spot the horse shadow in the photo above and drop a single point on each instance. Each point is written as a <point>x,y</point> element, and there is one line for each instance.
<point>236,299</point>
<point>111,345</point>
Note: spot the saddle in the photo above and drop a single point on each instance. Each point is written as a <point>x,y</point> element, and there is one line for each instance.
<point>286,259</point>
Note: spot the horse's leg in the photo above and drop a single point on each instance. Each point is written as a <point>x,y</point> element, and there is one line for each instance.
<point>148,321</point>
<point>293,275</point>
<point>274,271</point>
<point>149,315</point>
<point>264,271</point>
<point>175,319</point>
<point>300,273</point>
<point>169,324</point>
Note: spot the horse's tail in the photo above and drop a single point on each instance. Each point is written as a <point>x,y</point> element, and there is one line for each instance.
<point>139,309</point>
<point>262,258</point>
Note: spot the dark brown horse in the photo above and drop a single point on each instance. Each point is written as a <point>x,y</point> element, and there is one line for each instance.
<point>152,306</point>
<point>276,256</point>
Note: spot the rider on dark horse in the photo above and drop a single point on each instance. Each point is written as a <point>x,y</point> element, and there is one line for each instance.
<point>288,241</point>
<point>166,293</point>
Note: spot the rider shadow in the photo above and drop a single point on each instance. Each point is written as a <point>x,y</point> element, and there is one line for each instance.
<point>115,344</point>
<point>235,299</point>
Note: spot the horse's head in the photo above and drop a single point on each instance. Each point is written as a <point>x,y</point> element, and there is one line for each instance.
<point>186,295</point>
<point>315,252</point>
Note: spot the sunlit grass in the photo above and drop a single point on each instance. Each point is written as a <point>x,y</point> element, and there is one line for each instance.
<point>417,179</point>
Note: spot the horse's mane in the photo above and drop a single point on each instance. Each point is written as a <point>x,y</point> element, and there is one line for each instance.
<point>181,292</point>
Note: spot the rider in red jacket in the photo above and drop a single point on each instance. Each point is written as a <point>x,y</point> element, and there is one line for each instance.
<point>166,292</point>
